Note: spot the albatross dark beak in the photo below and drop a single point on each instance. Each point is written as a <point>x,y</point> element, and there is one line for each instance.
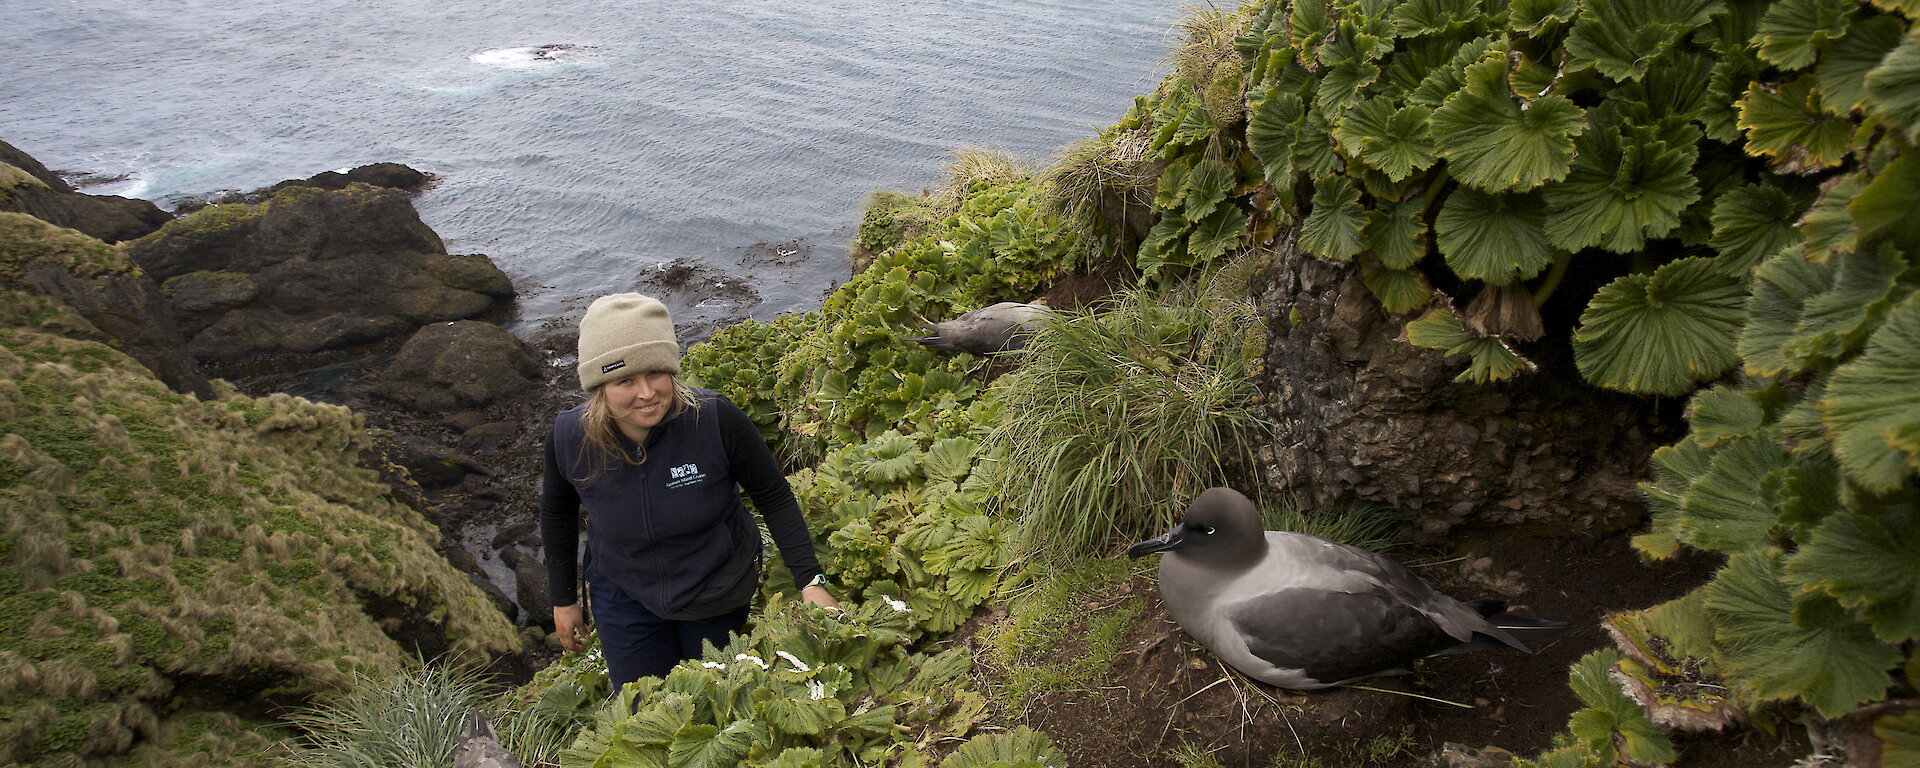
<point>1160,543</point>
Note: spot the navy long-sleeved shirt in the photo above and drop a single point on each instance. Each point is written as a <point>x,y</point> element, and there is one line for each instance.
<point>671,531</point>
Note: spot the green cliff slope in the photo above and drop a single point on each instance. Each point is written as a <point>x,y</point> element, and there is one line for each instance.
<point>172,569</point>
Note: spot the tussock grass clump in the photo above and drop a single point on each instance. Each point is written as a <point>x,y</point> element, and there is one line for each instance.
<point>411,718</point>
<point>971,167</point>
<point>155,546</point>
<point>1126,412</point>
<point>12,177</point>
<point>1203,58</point>
<point>1097,185</point>
<point>25,240</point>
<point>1367,526</point>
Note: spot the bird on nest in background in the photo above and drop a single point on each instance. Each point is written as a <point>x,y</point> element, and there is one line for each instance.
<point>997,328</point>
<point>480,747</point>
<point>1305,613</point>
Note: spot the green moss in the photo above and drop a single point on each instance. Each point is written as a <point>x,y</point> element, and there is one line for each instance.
<point>103,456</point>
<point>893,218</point>
<point>12,177</point>
<point>1056,637</point>
<point>26,240</point>
<point>213,218</point>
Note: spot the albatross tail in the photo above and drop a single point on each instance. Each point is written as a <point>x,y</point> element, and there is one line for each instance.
<point>1510,630</point>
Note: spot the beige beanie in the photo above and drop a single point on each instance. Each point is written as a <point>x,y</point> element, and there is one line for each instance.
<point>625,334</point>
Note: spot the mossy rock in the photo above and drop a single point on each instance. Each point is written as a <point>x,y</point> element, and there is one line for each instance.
<point>163,550</point>
<point>26,240</point>
<point>465,364</point>
<point>12,177</point>
<point>312,269</point>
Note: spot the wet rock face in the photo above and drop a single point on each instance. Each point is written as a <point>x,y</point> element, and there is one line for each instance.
<point>1362,417</point>
<point>459,365</point>
<point>312,270</point>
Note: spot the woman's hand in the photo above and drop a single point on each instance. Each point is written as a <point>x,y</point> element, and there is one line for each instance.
<point>571,625</point>
<point>819,596</point>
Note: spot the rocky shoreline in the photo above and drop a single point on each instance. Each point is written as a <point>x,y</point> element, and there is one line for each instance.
<point>331,288</point>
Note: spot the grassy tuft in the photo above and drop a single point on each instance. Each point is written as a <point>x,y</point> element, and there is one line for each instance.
<point>1129,410</point>
<point>1204,59</point>
<point>1055,638</point>
<point>25,240</point>
<point>1370,527</point>
<point>12,177</point>
<point>1097,184</point>
<point>1193,755</point>
<point>411,718</point>
<point>973,168</point>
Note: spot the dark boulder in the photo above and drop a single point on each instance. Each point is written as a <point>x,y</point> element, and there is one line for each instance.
<point>1361,417</point>
<point>529,582</point>
<point>28,187</point>
<point>432,466</point>
<point>97,281</point>
<point>12,155</point>
<point>487,437</point>
<point>388,175</point>
<point>312,270</point>
<point>455,366</point>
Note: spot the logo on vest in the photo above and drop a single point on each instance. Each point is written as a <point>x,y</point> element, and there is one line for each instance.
<point>684,475</point>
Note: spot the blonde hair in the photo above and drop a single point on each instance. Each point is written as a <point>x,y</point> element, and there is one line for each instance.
<point>600,439</point>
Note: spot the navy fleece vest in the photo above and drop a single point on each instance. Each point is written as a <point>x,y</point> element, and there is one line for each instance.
<point>671,531</point>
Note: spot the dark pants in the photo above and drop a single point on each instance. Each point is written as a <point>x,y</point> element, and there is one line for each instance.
<point>639,644</point>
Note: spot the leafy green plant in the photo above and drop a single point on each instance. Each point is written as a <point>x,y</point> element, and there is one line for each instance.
<point>538,720</point>
<point>1488,149</point>
<point>903,519</point>
<point>805,687</point>
<point>1018,748</point>
<point>1125,412</point>
<point>849,372</point>
<point>1610,730</point>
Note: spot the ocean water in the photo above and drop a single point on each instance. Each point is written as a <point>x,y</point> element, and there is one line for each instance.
<point>586,146</point>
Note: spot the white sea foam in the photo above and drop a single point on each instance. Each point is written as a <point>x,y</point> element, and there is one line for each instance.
<point>532,56</point>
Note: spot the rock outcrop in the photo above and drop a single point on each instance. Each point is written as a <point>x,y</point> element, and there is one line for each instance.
<point>180,563</point>
<point>1362,417</point>
<point>98,282</point>
<point>311,270</point>
<point>454,366</point>
<point>28,187</point>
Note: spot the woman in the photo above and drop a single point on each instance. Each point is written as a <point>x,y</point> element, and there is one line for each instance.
<point>673,558</point>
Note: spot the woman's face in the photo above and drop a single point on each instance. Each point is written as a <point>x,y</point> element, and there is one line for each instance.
<point>640,400</point>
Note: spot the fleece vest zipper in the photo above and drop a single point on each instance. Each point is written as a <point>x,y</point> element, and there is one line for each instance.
<point>670,531</point>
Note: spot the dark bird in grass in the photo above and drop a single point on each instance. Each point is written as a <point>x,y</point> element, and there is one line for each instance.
<point>480,748</point>
<point>1003,326</point>
<point>1302,612</point>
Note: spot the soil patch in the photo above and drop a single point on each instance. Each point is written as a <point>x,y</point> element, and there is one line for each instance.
<point>1168,701</point>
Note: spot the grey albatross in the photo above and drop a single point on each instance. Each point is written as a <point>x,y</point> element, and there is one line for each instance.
<point>480,747</point>
<point>1305,613</point>
<point>997,328</point>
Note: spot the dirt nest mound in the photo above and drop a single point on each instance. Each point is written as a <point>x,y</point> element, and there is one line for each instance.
<point>1166,701</point>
